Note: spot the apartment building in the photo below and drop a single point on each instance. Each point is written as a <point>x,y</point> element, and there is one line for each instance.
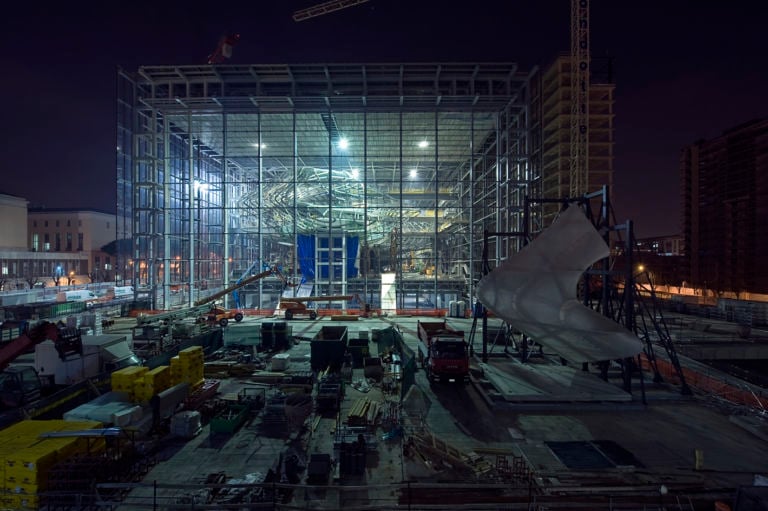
<point>724,183</point>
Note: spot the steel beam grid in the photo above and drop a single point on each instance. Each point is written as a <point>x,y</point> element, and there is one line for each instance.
<point>217,106</point>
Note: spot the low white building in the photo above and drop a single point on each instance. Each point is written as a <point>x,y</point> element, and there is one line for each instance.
<point>39,245</point>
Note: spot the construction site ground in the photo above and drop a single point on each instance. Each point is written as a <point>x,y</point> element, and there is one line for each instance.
<point>517,436</point>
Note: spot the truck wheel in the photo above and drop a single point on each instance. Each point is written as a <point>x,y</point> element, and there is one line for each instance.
<point>313,315</point>
<point>238,317</point>
<point>223,322</point>
<point>288,315</point>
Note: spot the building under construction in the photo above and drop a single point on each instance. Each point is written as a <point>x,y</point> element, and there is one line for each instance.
<point>369,179</point>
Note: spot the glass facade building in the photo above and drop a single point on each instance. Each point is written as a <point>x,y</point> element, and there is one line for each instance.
<point>379,180</point>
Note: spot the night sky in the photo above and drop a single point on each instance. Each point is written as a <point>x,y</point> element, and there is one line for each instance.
<point>684,70</point>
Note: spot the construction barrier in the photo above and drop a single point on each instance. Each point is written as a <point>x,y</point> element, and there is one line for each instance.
<point>708,383</point>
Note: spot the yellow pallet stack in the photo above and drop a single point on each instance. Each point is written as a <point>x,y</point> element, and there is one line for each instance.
<point>152,382</point>
<point>26,458</point>
<point>126,380</point>
<point>187,367</point>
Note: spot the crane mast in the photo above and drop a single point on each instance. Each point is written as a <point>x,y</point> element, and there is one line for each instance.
<point>580,69</point>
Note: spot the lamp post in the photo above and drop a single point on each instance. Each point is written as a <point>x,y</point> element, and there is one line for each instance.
<point>663,490</point>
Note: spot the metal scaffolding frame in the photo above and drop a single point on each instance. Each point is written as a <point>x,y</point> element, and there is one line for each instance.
<point>223,165</point>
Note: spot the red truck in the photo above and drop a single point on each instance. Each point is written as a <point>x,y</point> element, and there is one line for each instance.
<point>443,352</point>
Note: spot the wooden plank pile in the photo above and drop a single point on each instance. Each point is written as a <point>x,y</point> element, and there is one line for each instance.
<point>363,412</point>
<point>430,446</point>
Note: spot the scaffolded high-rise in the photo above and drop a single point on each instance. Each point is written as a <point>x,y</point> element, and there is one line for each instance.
<point>554,119</point>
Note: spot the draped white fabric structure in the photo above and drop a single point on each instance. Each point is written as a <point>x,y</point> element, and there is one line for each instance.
<point>535,291</point>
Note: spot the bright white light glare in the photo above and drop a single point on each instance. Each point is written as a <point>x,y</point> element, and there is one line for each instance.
<point>343,143</point>
<point>414,173</point>
<point>355,173</point>
<point>256,144</point>
<point>201,186</point>
<point>423,144</point>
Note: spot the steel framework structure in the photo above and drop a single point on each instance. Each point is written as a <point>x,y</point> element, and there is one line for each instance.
<point>220,166</point>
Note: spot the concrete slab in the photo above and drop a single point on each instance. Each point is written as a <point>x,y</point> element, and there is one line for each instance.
<point>515,381</point>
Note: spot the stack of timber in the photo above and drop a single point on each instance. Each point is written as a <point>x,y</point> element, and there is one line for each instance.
<point>431,447</point>
<point>363,412</point>
<point>344,317</point>
<point>229,368</point>
<point>268,377</point>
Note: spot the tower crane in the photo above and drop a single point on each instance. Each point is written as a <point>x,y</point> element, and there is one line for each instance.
<point>580,70</point>
<point>324,8</point>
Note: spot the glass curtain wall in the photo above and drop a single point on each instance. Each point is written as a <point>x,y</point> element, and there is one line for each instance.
<point>384,206</point>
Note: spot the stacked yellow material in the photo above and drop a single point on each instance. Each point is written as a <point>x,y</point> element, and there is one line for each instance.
<point>126,379</point>
<point>152,382</point>
<point>26,458</point>
<point>187,367</point>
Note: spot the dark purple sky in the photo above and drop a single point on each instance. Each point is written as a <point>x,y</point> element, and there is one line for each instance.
<point>684,70</point>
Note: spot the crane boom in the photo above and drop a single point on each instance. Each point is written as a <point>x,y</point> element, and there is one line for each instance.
<point>324,8</point>
<point>304,299</point>
<point>238,285</point>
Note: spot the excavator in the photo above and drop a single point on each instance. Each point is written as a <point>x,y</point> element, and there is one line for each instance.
<point>21,385</point>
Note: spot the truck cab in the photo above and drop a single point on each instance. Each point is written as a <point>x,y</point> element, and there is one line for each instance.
<point>443,352</point>
<point>447,360</point>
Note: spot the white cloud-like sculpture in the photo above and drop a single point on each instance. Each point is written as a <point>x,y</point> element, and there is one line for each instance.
<point>535,291</point>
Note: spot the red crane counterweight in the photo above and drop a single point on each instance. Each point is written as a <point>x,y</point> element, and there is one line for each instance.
<point>224,50</point>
